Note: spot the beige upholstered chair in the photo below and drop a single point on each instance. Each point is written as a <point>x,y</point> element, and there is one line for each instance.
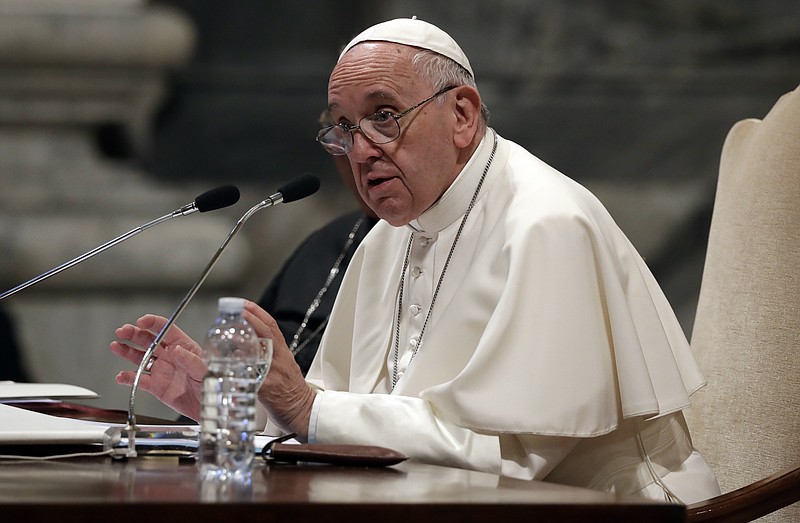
<point>747,329</point>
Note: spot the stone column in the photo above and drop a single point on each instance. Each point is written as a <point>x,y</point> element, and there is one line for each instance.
<point>68,69</point>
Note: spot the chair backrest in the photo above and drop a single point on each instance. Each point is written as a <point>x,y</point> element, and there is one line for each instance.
<point>747,329</point>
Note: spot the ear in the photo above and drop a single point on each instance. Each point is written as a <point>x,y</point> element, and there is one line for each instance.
<point>468,115</point>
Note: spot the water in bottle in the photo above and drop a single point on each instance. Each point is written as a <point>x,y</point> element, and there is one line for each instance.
<point>237,362</point>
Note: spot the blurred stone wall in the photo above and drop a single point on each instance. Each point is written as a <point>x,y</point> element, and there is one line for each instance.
<point>631,98</point>
<point>71,72</point>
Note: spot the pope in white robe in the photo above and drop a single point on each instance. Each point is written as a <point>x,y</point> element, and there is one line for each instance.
<point>496,319</point>
<point>550,353</point>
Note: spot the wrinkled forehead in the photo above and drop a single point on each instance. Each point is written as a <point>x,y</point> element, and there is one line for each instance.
<point>374,66</point>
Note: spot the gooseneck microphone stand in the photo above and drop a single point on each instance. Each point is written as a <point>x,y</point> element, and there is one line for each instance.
<point>183,441</point>
<point>208,201</point>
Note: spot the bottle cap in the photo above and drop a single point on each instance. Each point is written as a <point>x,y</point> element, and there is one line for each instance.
<point>231,305</point>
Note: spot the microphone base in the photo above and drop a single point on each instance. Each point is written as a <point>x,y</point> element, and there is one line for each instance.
<point>144,441</point>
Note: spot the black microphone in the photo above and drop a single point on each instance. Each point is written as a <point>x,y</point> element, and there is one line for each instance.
<point>214,199</point>
<point>296,189</point>
<point>223,196</point>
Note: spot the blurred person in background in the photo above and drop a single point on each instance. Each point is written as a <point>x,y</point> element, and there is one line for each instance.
<point>301,295</point>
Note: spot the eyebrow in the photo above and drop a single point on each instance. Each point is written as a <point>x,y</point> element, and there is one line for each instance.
<point>372,95</point>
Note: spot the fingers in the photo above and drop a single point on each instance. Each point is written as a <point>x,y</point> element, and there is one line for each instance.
<point>133,340</point>
<point>261,321</point>
<point>151,322</point>
<point>146,382</point>
<point>176,356</point>
<point>132,335</point>
<point>154,324</point>
<point>127,352</point>
<point>125,377</point>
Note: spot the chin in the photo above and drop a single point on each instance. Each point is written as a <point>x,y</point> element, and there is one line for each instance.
<point>395,211</point>
<point>393,219</point>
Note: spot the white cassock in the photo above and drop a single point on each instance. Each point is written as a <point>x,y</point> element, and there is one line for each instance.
<point>550,353</point>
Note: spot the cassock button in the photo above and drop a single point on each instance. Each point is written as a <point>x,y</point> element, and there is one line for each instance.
<point>424,241</point>
<point>416,271</point>
<point>415,309</point>
<point>413,341</point>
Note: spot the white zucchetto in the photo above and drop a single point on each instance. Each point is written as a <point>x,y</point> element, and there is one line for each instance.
<point>416,33</point>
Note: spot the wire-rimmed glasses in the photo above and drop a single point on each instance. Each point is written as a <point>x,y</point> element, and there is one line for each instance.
<point>379,128</point>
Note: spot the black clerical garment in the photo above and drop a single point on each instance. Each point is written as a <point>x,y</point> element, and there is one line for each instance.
<point>291,292</point>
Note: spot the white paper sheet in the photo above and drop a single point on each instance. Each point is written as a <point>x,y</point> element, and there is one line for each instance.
<point>24,427</point>
<point>10,390</point>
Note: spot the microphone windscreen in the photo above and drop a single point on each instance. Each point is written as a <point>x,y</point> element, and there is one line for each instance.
<point>300,187</point>
<point>218,198</point>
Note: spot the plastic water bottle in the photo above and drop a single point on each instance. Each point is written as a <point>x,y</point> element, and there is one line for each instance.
<point>237,362</point>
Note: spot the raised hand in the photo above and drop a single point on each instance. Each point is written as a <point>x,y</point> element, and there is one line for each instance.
<point>284,392</point>
<point>176,376</point>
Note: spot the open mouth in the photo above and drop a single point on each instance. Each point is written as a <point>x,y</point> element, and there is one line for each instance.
<point>376,182</point>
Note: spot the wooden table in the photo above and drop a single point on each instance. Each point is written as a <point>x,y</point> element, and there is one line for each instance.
<point>153,489</point>
<point>163,489</point>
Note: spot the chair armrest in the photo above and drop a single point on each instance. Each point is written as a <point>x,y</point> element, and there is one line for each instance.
<point>751,501</point>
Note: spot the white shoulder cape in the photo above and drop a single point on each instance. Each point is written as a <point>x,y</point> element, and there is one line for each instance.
<point>548,321</point>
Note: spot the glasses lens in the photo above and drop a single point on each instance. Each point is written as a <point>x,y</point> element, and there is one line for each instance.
<point>335,140</point>
<point>381,127</point>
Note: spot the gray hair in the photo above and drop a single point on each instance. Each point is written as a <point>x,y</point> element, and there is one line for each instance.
<point>440,72</point>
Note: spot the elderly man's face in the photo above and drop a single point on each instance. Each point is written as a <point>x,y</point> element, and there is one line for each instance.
<point>401,179</point>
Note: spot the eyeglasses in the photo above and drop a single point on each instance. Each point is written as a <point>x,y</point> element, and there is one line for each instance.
<point>379,128</point>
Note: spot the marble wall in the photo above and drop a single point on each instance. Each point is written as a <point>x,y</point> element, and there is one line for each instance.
<point>69,71</point>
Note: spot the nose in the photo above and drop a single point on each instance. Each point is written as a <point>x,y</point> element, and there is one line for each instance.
<point>363,148</point>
